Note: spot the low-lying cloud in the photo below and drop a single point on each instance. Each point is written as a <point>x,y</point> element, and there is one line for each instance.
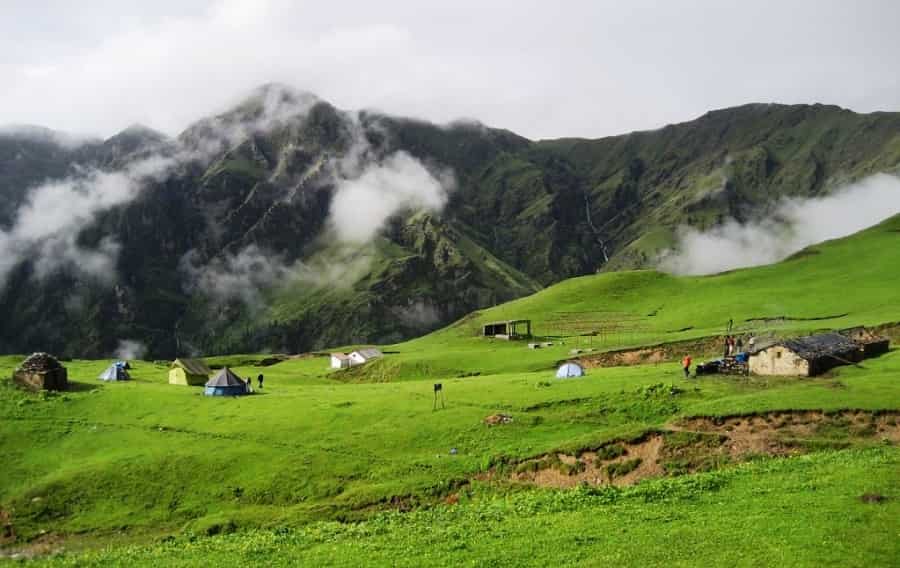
<point>362,205</point>
<point>130,349</point>
<point>242,276</point>
<point>47,225</point>
<point>794,225</point>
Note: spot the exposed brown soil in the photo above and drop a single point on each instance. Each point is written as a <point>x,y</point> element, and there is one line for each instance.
<point>872,498</point>
<point>49,543</point>
<point>652,354</point>
<point>7,533</point>
<point>706,346</point>
<point>697,444</point>
<point>495,419</point>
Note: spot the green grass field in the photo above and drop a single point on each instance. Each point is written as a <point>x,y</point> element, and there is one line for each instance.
<point>318,466</point>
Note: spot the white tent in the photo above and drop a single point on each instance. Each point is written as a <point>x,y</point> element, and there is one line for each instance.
<point>569,369</point>
<point>115,372</point>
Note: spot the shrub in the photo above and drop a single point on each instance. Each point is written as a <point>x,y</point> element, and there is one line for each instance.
<point>610,452</point>
<point>623,468</point>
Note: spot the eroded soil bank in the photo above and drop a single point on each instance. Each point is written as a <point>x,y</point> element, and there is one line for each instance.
<point>705,443</point>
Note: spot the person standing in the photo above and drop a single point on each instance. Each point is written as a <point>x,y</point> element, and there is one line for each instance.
<point>740,344</point>
<point>686,363</point>
<point>260,380</point>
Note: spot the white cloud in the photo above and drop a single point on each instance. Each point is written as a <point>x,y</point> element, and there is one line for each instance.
<point>47,225</point>
<point>242,276</point>
<point>130,349</point>
<point>795,225</point>
<point>363,204</point>
<point>589,69</point>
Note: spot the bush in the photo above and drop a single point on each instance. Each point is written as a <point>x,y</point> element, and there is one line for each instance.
<point>610,452</point>
<point>622,468</point>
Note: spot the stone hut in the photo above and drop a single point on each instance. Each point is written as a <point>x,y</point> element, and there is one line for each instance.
<point>41,371</point>
<point>805,356</point>
<point>872,344</point>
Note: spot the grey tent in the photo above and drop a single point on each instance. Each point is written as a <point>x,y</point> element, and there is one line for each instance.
<point>569,369</point>
<point>226,383</point>
<point>115,372</point>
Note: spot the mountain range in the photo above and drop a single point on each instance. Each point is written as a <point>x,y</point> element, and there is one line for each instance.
<point>287,224</point>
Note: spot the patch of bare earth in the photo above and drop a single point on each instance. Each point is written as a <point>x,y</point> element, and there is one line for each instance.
<point>49,543</point>
<point>697,444</point>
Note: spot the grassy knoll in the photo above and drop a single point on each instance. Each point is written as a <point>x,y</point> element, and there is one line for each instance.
<point>284,469</point>
<point>803,511</point>
<point>131,460</point>
<point>853,278</point>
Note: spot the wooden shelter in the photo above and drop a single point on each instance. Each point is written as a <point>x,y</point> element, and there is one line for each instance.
<point>510,329</point>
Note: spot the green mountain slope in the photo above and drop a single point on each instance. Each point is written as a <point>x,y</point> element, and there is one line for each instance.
<point>833,285</point>
<point>522,214</point>
<point>149,473</point>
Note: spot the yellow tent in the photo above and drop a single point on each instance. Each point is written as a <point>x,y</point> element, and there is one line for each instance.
<point>189,372</point>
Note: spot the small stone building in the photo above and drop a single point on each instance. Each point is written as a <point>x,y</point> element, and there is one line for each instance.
<point>41,371</point>
<point>805,356</point>
<point>872,344</point>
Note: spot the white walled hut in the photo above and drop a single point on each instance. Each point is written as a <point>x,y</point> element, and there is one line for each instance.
<point>340,361</point>
<point>805,356</point>
<point>362,356</point>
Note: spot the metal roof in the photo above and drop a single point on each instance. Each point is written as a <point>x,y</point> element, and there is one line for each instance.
<point>370,353</point>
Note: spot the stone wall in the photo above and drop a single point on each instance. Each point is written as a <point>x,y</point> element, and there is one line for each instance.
<point>53,379</point>
<point>779,360</point>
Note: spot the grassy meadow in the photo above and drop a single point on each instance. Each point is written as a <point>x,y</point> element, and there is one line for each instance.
<point>356,467</point>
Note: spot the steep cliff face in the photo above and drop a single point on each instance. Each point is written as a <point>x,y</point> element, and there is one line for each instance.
<point>231,238</point>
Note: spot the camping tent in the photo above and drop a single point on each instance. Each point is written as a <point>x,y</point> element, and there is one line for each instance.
<point>188,372</point>
<point>569,369</point>
<point>115,372</point>
<point>226,383</point>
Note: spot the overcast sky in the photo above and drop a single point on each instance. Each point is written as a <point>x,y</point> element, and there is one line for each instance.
<point>543,69</point>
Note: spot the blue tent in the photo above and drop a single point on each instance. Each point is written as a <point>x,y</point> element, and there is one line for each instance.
<point>569,369</point>
<point>226,383</point>
<point>114,372</point>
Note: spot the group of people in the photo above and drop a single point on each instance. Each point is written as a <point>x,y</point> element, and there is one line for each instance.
<point>733,346</point>
<point>250,382</point>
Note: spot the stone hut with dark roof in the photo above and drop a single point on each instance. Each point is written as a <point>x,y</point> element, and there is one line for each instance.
<point>872,344</point>
<point>805,356</point>
<point>41,371</point>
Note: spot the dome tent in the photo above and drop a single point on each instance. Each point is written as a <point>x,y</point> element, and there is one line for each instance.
<point>569,369</point>
<point>226,383</point>
<point>115,372</point>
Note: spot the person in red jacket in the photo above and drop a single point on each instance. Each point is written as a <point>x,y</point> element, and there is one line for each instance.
<point>686,363</point>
